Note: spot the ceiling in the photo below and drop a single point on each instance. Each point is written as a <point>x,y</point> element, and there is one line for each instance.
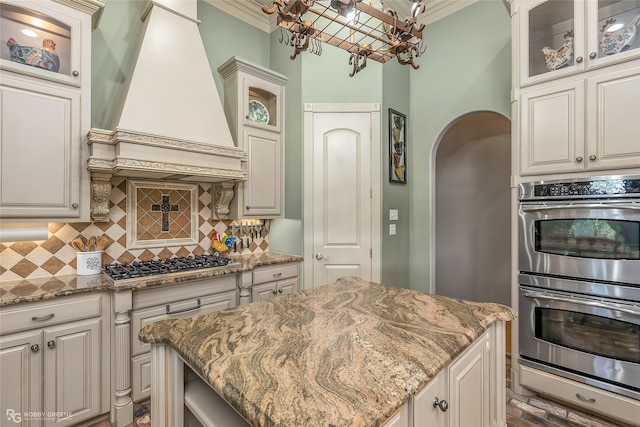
<point>250,11</point>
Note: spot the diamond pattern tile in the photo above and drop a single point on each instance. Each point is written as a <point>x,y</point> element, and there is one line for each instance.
<point>55,256</point>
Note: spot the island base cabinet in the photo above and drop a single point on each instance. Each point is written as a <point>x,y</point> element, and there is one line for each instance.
<point>401,418</point>
<point>459,395</point>
<point>425,412</point>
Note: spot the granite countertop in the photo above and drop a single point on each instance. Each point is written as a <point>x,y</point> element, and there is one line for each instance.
<point>345,354</point>
<point>27,290</point>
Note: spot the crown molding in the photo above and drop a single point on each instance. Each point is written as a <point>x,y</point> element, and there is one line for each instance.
<point>249,11</point>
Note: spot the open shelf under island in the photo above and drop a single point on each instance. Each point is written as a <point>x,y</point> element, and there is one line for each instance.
<point>351,353</point>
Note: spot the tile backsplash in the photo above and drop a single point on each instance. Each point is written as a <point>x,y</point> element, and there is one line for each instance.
<point>161,214</point>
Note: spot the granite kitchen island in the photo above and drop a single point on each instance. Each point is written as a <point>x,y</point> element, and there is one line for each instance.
<point>352,353</point>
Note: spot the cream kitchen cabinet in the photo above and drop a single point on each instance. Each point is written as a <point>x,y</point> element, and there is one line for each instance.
<point>254,107</point>
<point>582,116</point>
<point>460,395</point>
<point>582,395</point>
<point>152,305</point>
<point>45,109</point>
<point>273,281</point>
<point>559,38</point>
<point>52,360</point>
<point>576,125</point>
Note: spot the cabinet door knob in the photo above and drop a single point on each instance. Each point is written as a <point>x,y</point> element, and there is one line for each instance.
<point>592,157</point>
<point>51,344</point>
<point>579,59</point>
<point>280,290</point>
<point>246,117</point>
<point>593,55</point>
<point>274,292</point>
<point>579,159</point>
<point>247,207</point>
<point>442,404</point>
<point>75,73</point>
<point>74,206</point>
<point>35,348</point>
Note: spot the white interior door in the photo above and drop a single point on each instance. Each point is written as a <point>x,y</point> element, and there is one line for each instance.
<point>341,212</point>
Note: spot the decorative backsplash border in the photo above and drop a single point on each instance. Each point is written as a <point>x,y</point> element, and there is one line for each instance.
<point>55,256</point>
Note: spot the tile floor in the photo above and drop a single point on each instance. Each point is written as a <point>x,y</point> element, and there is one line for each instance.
<point>522,411</point>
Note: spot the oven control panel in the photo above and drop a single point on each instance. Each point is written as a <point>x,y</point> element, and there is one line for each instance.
<point>578,189</point>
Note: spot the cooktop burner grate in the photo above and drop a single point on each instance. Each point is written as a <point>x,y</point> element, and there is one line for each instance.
<point>136,269</point>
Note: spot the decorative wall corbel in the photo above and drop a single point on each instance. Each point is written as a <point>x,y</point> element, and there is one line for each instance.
<point>224,192</point>
<point>100,195</point>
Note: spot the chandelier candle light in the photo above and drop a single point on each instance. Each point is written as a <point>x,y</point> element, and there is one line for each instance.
<point>353,25</point>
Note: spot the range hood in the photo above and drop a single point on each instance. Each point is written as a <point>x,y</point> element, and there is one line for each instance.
<point>170,124</point>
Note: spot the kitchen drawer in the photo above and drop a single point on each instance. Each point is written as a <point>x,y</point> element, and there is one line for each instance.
<point>593,399</point>
<point>143,317</point>
<point>152,297</point>
<point>276,272</point>
<point>52,312</point>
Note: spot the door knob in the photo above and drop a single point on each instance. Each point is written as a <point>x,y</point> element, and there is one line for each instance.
<point>319,256</point>
<point>442,404</point>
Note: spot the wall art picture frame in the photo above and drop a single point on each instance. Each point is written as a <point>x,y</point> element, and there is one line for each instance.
<point>397,147</point>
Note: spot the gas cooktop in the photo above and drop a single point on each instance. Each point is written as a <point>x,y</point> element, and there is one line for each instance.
<point>117,271</point>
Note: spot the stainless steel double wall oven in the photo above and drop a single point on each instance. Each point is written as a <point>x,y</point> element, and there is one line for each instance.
<point>579,298</point>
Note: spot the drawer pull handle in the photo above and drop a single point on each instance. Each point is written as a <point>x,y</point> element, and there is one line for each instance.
<point>585,399</point>
<point>277,274</point>
<point>184,310</point>
<point>41,318</point>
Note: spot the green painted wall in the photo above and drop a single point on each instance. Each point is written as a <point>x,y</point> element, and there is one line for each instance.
<point>395,249</point>
<point>114,45</point>
<point>466,68</point>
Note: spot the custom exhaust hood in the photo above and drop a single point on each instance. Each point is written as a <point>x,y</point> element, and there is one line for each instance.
<point>170,124</point>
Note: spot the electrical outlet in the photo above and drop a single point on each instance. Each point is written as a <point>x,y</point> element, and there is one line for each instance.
<point>392,229</point>
<point>393,214</point>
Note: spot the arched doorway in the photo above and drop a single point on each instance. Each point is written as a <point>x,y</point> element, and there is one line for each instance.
<point>472,209</point>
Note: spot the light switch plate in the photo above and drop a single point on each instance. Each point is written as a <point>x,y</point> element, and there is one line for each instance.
<point>392,229</point>
<point>393,214</point>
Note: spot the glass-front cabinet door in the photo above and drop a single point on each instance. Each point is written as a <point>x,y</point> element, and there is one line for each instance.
<point>41,43</point>
<point>613,31</point>
<point>563,37</point>
<point>552,39</point>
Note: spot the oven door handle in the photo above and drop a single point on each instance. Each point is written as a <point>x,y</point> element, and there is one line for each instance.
<point>580,206</point>
<point>596,304</point>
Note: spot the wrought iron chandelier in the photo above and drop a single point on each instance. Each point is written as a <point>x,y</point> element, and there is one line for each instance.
<point>353,25</point>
